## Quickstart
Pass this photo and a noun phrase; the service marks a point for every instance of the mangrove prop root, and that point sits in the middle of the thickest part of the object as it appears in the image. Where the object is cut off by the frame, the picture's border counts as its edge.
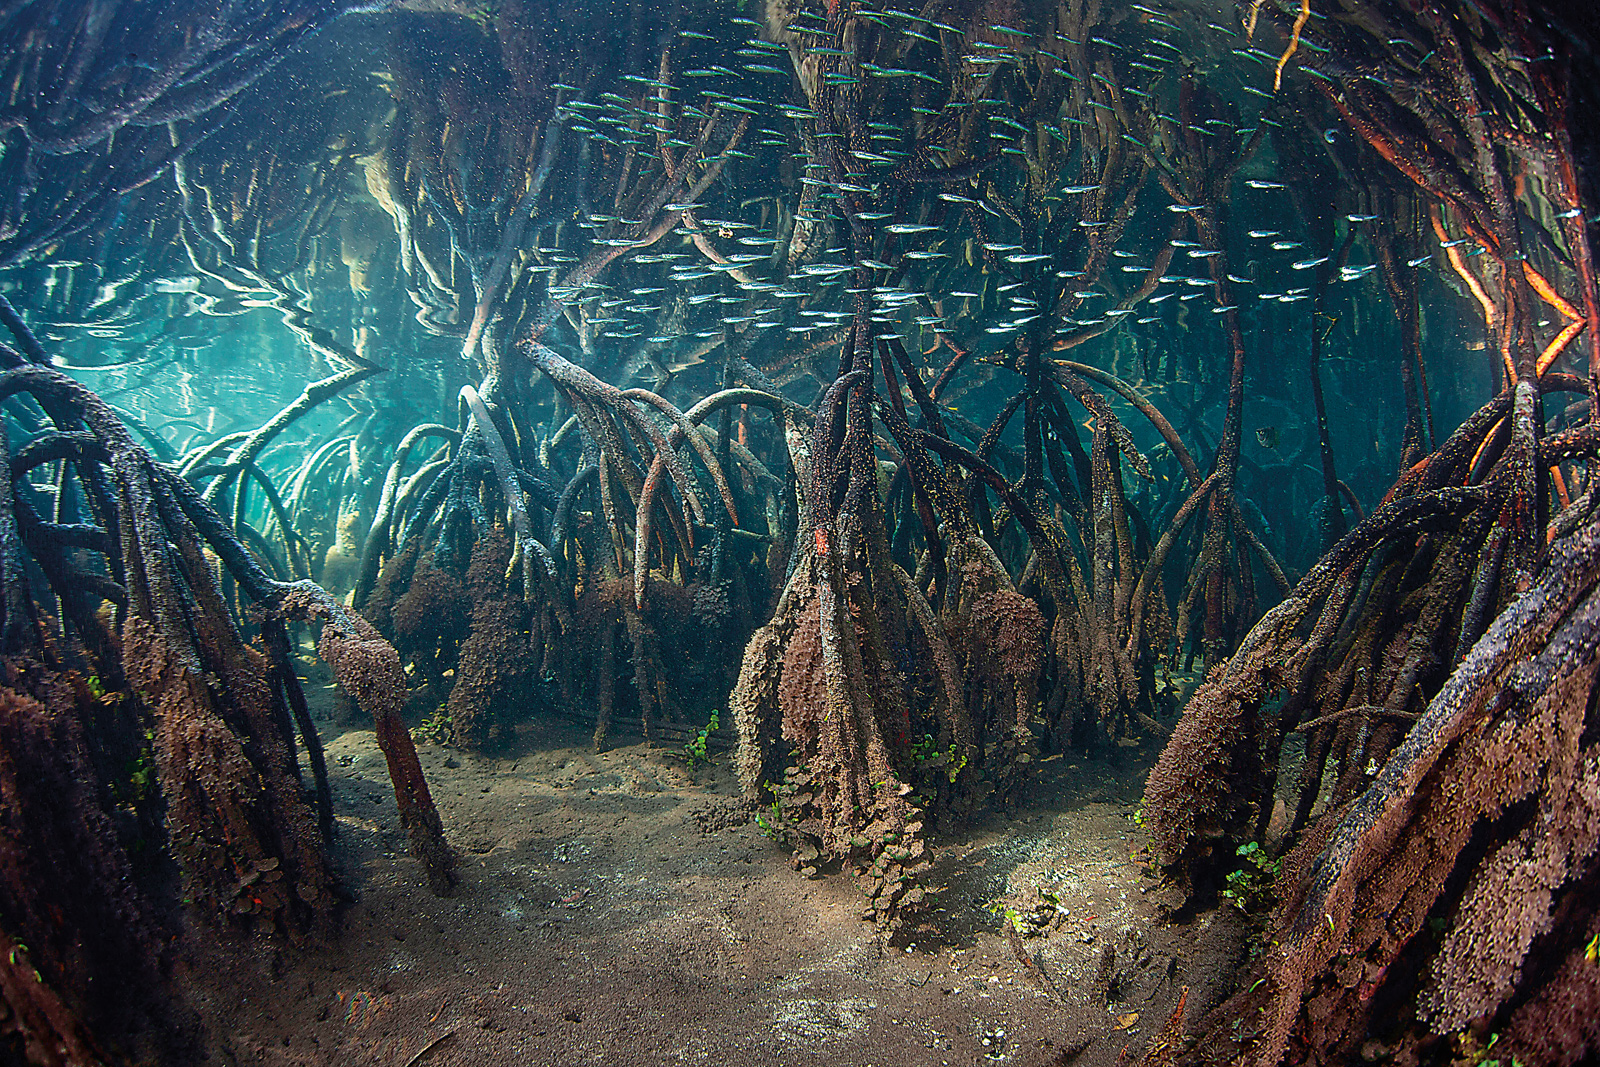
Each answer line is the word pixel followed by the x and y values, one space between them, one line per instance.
pixel 249 848
pixel 81 946
pixel 1206 787
pixel 495 663
pixel 207 689
pixel 1379 621
pixel 1509 865
pixel 369 669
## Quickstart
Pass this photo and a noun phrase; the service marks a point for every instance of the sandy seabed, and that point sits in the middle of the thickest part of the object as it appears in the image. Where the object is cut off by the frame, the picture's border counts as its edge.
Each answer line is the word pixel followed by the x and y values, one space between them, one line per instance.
pixel 616 909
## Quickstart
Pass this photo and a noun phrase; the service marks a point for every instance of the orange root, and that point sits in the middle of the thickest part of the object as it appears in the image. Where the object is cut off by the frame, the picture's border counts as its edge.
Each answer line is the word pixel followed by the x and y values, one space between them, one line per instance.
pixel 1250 23
pixel 1546 290
pixel 1555 347
pixel 1294 41
pixel 1491 314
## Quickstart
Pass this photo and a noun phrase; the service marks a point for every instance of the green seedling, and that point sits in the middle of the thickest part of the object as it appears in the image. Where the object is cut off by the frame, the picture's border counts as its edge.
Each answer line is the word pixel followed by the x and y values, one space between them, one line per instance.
pixel 436 729
pixel 696 749
pixel 1250 887
pixel 928 754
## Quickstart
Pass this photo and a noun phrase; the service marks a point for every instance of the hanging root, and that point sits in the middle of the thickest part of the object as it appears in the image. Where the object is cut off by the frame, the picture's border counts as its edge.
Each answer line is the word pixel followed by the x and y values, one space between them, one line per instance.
pixel 494 672
pixel 1294 42
pixel 369 669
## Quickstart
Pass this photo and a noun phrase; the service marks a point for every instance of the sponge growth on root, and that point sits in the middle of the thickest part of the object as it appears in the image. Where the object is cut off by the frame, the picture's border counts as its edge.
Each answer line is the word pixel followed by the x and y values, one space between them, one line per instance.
pixel 1455 897
pixel 369 669
pixel 893 716
pixel 80 970
pixel 221 798
pixel 496 661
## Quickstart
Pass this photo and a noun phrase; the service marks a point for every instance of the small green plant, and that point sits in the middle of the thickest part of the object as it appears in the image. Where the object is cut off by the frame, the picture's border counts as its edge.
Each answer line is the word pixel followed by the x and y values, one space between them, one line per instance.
pixel 928 754
pixel 1010 915
pixel 1031 912
pixel 436 729
pixel 955 762
pixel 141 774
pixel 696 749
pixel 1479 1055
pixel 1250 887
pixel 779 820
pixel 770 821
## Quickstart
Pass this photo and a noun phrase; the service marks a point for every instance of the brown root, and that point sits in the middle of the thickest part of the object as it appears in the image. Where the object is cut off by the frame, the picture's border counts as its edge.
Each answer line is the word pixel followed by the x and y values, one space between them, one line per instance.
pixel 429 619
pixel 368 668
pixel 39 1028
pixel 1372 624
pixel 1003 640
pixel 245 839
pixel 87 956
pixel 391 585
pixel 1423 909
pixel 495 664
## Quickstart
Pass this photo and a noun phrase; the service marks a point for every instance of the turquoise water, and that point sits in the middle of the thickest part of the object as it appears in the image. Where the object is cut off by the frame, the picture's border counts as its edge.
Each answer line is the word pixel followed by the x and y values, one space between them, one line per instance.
pixel 987 210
